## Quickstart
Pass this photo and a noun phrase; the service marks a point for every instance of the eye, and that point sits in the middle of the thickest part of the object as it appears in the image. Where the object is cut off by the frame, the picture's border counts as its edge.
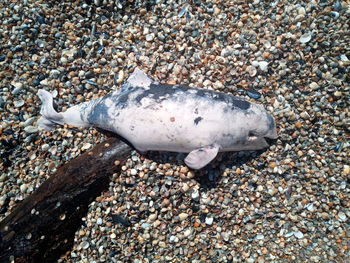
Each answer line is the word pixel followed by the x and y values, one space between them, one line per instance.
pixel 251 136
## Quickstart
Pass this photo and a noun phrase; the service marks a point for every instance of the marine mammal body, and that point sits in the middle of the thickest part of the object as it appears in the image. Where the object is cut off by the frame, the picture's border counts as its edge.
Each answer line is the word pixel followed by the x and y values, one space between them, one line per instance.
pixel 161 117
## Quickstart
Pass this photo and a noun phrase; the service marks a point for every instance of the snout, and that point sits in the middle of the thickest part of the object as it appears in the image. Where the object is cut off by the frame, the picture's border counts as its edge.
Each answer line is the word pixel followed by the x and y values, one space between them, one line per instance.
pixel 271 134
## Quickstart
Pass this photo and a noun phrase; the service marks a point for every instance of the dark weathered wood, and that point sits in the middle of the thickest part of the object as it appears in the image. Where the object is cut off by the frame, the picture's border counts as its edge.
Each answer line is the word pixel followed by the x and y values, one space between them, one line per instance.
pixel 42 227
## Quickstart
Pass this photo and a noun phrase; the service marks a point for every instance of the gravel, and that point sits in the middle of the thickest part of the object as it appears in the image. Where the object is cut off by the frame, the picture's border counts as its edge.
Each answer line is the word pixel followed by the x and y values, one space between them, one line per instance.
pixel 290 203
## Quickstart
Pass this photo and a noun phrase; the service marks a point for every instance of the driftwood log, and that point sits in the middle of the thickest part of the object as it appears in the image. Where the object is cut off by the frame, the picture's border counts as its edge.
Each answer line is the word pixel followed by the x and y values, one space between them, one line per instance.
pixel 41 228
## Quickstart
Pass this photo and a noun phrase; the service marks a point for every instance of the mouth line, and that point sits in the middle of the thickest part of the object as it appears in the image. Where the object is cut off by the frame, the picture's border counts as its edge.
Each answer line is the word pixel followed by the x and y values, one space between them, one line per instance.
pixel 270 141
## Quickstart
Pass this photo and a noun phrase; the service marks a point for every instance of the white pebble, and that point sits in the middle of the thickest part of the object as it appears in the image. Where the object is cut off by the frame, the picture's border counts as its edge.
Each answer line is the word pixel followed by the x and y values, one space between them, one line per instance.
pixel 263 65
pixel 344 57
pixel 183 216
pixel 321 140
pixel 85 245
pixel 101 249
pixel 305 38
pixel 174 239
pixel 209 220
pixel 45 147
pixel 150 37
pixel 195 194
pixel 188 232
pixel 86 146
pixel 225 236
pixel 342 216
pixel 259 236
pixel 314 85
pixel 23 188
pixel 251 71
pixel 298 234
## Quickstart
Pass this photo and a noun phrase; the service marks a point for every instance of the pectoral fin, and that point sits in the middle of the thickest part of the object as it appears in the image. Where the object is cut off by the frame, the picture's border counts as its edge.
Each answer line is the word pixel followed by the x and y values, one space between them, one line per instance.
pixel 139 78
pixel 199 158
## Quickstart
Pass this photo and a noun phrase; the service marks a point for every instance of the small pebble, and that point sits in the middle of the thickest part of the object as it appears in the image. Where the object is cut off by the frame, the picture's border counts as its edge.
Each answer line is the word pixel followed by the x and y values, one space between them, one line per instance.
pixel 31 129
pixel 305 38
pixel 298 234
pixel 183 216
pixel 150 37
pixel 86 146
pixel 342 216
pixel 209 220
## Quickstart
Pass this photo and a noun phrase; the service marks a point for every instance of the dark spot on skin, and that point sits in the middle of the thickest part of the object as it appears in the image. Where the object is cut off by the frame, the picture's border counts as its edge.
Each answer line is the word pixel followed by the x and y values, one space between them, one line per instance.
pixel 123 97
pixel 197 120
pixel 172 119
pixel 219 96
pixel 160 92
pixel 99 113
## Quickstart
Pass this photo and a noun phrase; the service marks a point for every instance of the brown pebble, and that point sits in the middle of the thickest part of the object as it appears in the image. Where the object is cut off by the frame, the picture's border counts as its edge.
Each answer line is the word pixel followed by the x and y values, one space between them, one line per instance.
pixel 298 125
pixel 272 165
pixel 184 170
pixel 143 11
pixel 266 54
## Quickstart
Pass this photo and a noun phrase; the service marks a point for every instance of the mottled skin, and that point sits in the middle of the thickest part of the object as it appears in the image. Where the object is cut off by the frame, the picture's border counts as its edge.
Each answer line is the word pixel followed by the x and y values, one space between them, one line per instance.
pixel 161 117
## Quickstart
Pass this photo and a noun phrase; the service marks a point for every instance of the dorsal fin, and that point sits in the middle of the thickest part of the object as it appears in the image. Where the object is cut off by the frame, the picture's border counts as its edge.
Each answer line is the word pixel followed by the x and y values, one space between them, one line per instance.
pixel 139 79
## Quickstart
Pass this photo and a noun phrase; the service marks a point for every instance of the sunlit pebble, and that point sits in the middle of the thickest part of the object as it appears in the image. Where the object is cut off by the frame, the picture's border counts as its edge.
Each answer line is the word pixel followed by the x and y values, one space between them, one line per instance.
pixel 209 220
pixel 86 146
pixel 305 37
pixel 183 216
pixel 99 221
pixel 133 171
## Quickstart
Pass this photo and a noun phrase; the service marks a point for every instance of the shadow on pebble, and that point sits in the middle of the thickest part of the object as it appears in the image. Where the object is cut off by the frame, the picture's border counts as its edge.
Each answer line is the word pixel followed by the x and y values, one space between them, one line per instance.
pixel 209 176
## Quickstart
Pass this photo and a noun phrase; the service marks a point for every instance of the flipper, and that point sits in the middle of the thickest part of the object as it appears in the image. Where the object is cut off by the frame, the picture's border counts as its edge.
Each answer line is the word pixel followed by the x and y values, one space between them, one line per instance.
pixel 50 117
pixel 199 158
pixel 139 79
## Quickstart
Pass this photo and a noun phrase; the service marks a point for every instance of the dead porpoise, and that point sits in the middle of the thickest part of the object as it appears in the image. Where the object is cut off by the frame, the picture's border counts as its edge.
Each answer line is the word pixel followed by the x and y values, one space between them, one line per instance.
pixel 162 117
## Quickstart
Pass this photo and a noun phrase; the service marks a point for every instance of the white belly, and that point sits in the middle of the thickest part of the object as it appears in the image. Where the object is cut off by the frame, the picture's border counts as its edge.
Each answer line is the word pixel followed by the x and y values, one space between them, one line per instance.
pixel 171 126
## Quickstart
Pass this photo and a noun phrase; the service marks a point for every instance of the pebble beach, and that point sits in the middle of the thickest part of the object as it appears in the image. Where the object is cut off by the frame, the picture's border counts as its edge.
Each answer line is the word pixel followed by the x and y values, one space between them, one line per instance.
pixel 290 203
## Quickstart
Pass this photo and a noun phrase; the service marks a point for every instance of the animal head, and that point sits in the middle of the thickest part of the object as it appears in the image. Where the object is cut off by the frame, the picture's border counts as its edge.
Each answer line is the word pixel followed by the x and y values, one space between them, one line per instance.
pixel 260 129
pixel 252 129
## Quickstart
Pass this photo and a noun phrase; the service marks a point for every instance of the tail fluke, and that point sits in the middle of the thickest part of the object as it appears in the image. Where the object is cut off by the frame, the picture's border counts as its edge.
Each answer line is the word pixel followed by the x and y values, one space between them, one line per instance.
pixel 50 117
